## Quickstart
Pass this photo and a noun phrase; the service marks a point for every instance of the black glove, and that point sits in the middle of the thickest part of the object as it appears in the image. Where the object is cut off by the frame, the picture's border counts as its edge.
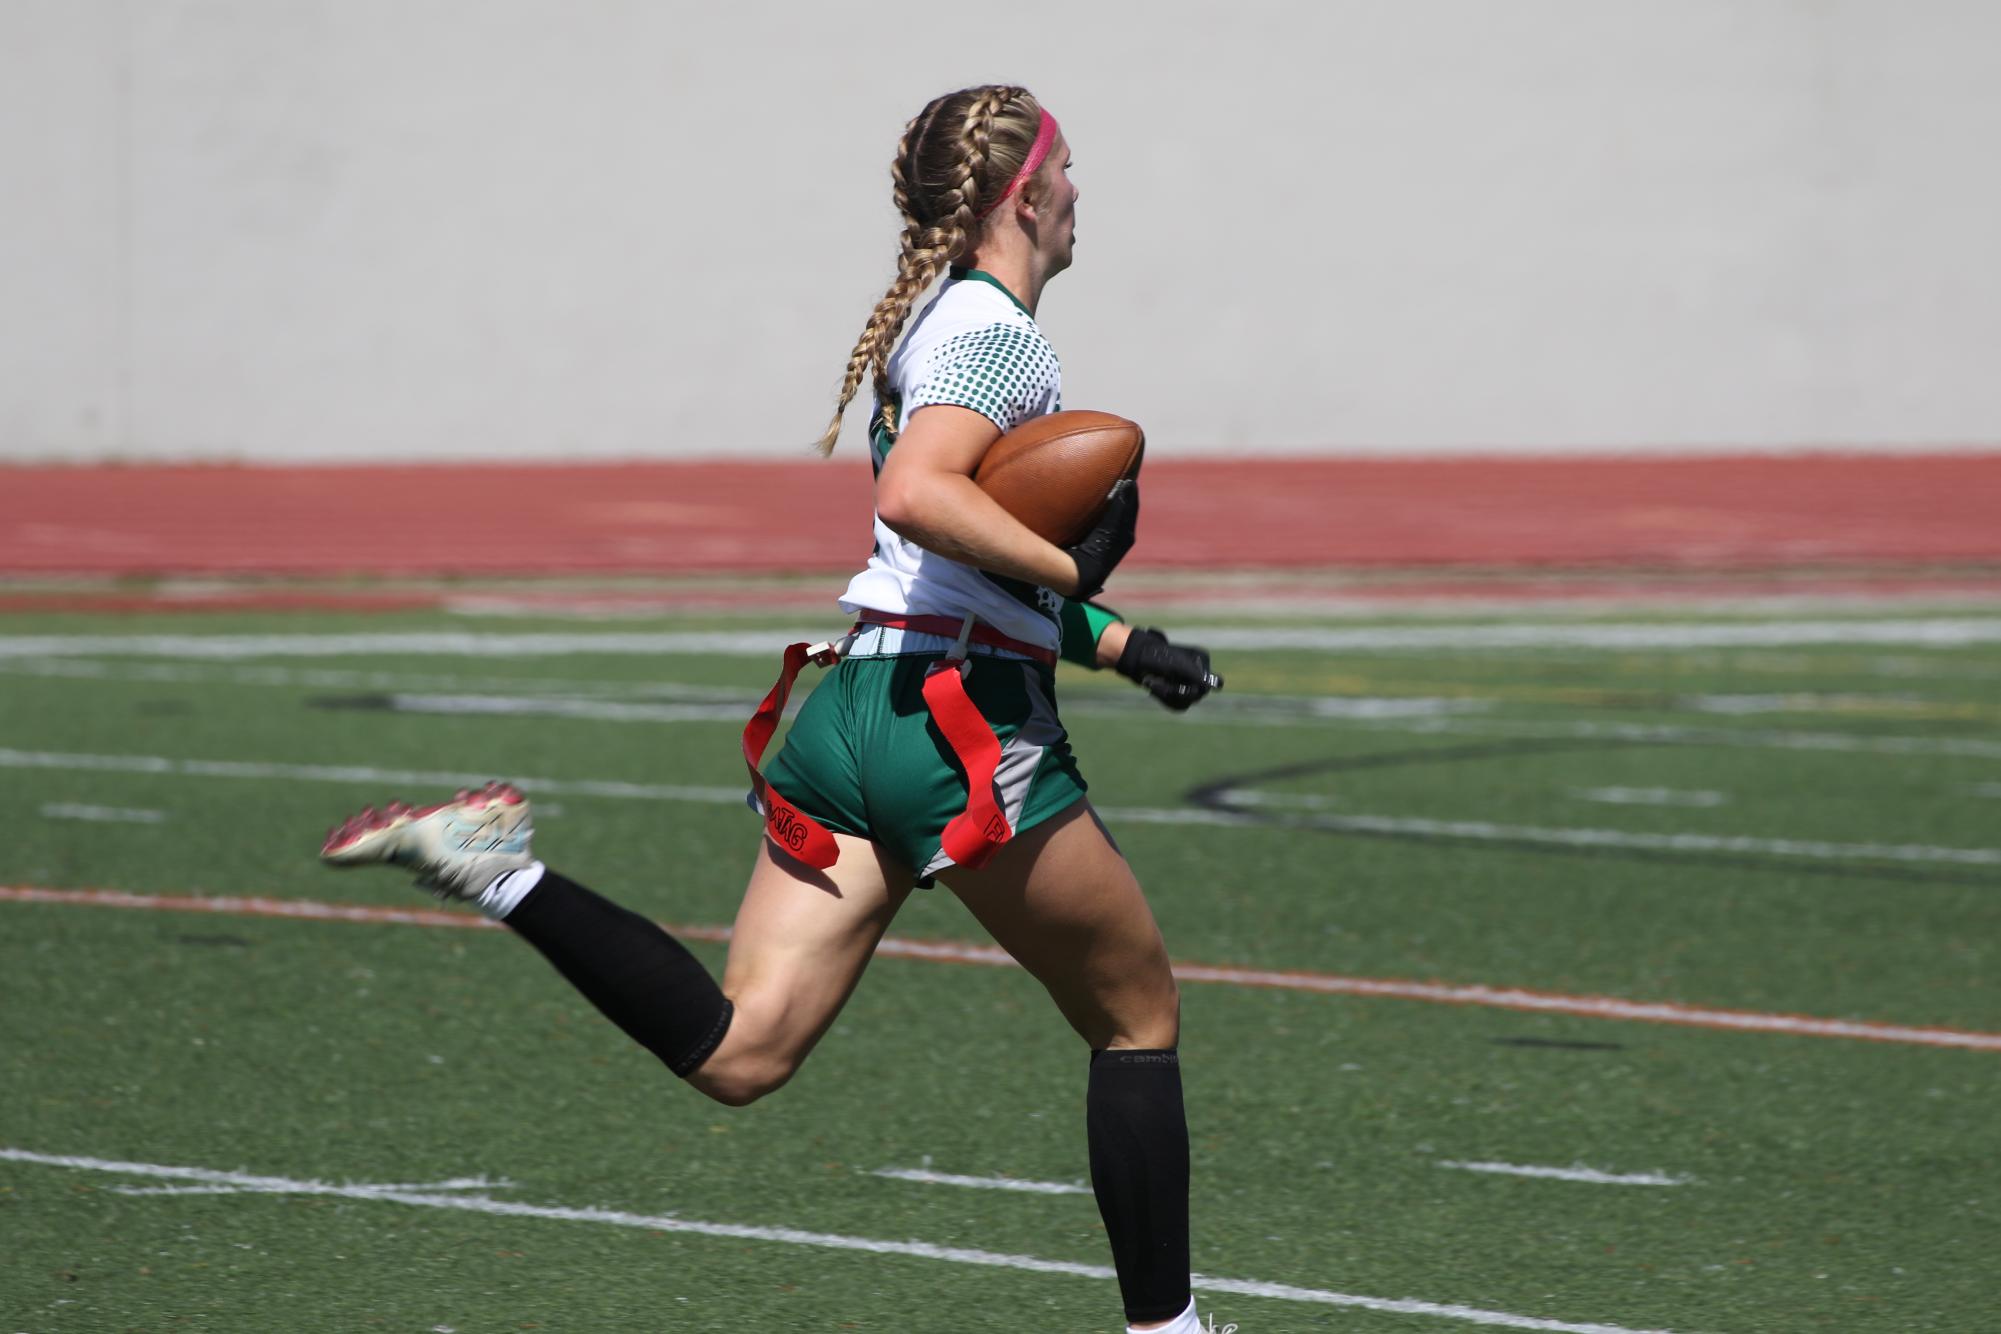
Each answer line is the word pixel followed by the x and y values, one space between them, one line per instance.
pixel 1108 541
pixel 1176 674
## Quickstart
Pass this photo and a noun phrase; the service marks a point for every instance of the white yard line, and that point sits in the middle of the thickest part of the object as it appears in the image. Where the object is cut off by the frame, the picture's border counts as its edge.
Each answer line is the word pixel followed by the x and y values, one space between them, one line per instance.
pixel 1262 710
pixel 1485 831
pixel 343 773
pixel 552 706
pixel 1798 702
pixel 1585 1174
pixel 796 1237
pixel 64 810
pixel 1924 632
pixel 1470 830
pixel 265 1188
pixel 568 697
pixel 336 678
pixel 1649 796
pixel 458 644
pixel 929 1178
pixel 1747 738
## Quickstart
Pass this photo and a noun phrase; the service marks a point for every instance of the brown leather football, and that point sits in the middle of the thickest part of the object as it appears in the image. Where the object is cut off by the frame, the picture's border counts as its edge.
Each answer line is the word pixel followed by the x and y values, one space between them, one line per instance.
pixel 1056 473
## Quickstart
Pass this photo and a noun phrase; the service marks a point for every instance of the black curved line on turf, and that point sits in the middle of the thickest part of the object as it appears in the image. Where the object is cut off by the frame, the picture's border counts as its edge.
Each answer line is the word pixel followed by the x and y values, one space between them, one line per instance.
pixel 1214 796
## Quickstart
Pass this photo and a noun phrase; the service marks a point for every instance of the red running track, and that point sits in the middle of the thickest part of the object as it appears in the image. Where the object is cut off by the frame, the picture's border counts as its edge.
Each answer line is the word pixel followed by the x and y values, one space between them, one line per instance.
pixel 1737 513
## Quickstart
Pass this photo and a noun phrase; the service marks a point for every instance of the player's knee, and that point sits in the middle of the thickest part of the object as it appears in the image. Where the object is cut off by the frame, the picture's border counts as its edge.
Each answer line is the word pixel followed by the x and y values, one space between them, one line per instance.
pixel 738 1092
pixel 740 1079
pixel 755 1059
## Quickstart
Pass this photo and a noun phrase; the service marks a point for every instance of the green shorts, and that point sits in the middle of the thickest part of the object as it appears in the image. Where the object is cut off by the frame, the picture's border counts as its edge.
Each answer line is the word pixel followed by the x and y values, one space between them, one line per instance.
pixel 863 756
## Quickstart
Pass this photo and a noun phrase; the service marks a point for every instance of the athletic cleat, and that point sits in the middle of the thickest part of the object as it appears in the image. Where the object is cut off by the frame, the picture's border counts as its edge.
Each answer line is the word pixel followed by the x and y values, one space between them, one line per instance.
pixel 457 847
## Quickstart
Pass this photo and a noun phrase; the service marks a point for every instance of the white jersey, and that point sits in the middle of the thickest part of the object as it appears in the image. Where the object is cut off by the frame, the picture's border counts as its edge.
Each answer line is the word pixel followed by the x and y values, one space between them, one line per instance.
pixel 974 347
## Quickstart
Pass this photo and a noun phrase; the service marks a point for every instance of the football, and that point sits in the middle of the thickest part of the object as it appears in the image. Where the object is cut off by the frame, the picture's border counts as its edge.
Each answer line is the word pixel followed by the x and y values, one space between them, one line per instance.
pixel 1056 473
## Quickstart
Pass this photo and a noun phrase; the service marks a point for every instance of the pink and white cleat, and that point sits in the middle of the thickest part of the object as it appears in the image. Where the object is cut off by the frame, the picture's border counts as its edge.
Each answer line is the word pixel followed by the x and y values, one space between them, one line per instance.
pixel 457 847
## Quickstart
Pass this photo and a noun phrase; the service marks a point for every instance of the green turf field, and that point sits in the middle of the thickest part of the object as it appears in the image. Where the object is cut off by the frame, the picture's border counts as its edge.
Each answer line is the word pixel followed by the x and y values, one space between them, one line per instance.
pixel 229 1121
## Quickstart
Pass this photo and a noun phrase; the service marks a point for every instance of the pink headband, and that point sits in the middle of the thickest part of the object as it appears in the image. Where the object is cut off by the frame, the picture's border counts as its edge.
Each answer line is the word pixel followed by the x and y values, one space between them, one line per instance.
pixel 1045 135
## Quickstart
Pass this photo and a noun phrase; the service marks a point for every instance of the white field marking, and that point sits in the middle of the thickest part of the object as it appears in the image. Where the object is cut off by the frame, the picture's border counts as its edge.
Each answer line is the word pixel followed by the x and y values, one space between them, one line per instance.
pixel 1477 831
pixel 803 602
pixel 930 1178
pixel 730 796
pixel 1798 702
pixel 1361 706
pixel 989 956
pixel 1649 796
pixel 1484 831
pixel 453 1183
pixel 1231 710
pixel 1279 710
pixel 250 905
pixel 1243 601
pixel 550 697
pixel 1928 668
pixel 536 694
pixel 601 710
pixel 1586 1174
pixel 63 810
pixel 1743 738
pixel 336 773
pixel 1987 789
pixel 921 1250
pixel 458 644
pixel 1925 632
pixel 333 678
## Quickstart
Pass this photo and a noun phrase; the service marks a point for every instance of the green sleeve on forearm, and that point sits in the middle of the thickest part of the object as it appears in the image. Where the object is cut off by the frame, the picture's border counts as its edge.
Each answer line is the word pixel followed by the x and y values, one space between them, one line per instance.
pixel 1083 623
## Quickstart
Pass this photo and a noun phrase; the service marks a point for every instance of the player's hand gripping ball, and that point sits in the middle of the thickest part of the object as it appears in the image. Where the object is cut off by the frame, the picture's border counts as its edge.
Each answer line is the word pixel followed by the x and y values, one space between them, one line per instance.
pixel 1070 477
pixel 1056 473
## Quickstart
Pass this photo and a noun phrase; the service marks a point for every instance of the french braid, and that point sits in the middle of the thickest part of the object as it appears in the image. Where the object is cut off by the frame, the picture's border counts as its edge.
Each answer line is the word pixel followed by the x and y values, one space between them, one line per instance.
pixel 958 149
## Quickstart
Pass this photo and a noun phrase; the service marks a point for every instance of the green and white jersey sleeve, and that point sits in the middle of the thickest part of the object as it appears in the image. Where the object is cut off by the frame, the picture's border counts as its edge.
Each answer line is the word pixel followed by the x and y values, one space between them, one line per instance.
pixel 973 347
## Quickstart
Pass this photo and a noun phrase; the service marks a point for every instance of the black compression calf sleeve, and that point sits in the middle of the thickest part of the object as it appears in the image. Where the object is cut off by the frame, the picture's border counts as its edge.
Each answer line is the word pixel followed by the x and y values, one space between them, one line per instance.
pixel 1139 1171
pixel 643 979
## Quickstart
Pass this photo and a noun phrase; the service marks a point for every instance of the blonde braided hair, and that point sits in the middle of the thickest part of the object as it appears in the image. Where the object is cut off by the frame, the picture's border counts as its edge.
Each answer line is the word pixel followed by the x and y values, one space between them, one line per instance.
pixel 953 154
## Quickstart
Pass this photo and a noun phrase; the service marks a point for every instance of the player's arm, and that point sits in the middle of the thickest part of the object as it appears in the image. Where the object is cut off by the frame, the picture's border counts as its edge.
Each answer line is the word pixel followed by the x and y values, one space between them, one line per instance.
pixel 1112 643
pixel 926 493
pixel 1178 675
pixel 1093 635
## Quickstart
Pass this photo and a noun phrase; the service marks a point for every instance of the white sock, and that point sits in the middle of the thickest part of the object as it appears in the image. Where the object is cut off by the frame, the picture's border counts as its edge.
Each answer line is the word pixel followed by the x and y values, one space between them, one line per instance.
pixel 1185 1323
pixel 505 893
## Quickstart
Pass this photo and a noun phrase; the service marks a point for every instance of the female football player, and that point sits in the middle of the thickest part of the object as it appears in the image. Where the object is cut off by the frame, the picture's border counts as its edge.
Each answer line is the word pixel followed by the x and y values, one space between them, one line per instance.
pixel 932 751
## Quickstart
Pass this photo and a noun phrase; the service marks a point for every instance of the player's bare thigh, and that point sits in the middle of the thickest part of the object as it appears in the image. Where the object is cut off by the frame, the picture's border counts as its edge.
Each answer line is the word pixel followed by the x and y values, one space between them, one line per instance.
pixel 1062 900
pixel 801 940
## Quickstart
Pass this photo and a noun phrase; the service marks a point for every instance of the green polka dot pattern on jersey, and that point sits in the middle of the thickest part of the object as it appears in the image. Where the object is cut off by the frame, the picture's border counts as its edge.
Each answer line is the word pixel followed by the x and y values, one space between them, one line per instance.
pixel 1003 371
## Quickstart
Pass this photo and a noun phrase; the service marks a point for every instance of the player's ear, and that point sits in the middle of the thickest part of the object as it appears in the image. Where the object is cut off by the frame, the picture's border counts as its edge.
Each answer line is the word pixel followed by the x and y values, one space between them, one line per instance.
pixel 1028 199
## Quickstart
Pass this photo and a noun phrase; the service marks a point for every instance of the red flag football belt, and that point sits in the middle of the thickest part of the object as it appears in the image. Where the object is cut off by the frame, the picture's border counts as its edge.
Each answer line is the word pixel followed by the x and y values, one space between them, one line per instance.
pixel 974 835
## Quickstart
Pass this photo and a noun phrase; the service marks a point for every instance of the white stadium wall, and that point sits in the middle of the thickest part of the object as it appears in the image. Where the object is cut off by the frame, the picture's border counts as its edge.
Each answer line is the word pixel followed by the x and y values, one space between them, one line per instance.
pixel 297 230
